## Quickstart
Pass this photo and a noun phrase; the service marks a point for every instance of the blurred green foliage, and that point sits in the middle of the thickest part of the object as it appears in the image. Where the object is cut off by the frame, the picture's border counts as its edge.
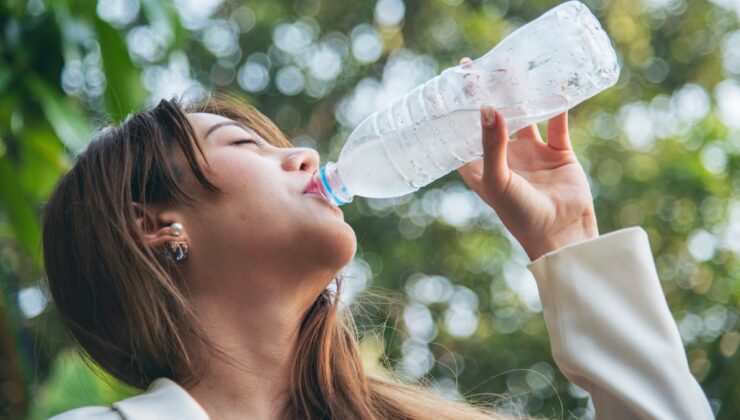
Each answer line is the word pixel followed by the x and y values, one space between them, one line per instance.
pixel 661 149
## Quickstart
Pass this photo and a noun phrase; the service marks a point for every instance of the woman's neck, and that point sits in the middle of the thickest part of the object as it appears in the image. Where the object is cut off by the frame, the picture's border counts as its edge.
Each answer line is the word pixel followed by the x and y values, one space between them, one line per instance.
pixel 258 340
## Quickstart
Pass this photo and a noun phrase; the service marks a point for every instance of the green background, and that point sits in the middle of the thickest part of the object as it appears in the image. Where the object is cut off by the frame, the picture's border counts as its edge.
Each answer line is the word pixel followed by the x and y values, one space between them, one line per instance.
pixel 446 292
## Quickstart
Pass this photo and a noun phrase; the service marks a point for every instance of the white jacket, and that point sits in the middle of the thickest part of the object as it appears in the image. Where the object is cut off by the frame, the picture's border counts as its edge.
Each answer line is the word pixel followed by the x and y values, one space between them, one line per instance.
pixel 610 330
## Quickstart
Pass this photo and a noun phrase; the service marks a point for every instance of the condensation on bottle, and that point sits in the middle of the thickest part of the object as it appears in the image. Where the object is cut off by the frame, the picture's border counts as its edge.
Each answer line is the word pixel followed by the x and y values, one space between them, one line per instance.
pixel 540 70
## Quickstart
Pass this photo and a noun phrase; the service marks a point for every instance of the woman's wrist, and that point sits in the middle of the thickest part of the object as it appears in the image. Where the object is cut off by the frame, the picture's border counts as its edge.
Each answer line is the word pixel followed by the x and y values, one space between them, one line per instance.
pixel 562 239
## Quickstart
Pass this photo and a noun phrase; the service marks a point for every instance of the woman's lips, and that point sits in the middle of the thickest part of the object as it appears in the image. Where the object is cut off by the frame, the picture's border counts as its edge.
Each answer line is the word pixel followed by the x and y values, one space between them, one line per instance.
pixel 313 186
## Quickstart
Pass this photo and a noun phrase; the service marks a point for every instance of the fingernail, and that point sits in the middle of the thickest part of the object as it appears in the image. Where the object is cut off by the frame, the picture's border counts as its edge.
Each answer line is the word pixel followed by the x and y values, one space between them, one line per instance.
pixel 489 116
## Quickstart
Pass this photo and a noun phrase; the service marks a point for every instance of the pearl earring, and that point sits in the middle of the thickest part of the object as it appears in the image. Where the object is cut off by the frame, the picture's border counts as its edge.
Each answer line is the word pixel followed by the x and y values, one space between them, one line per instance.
pixel 176 229
pixel 178 250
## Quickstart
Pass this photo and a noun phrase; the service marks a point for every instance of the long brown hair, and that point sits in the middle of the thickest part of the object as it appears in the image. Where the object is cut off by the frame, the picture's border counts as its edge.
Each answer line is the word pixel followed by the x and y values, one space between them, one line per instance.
pixel 126 305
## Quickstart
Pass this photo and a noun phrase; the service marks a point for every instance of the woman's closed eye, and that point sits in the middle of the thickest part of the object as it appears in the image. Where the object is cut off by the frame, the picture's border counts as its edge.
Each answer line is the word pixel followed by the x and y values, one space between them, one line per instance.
pixel 259 143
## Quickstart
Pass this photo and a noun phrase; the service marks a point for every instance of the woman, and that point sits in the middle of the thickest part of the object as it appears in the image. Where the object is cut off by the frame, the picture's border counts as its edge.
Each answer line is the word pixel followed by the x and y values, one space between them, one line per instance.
pixel 184 258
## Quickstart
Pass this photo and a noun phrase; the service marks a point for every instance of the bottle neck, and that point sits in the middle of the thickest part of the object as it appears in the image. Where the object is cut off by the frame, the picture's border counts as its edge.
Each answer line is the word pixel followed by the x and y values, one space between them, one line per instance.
pixel 327 183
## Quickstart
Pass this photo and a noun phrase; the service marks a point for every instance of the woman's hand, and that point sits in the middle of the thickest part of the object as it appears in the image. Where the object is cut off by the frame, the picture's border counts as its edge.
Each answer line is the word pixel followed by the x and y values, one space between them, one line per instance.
pixel 539 190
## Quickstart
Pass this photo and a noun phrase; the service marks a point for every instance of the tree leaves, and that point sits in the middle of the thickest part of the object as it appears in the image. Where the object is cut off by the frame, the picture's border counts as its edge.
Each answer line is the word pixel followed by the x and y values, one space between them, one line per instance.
pixel 124 92
pixel 70 126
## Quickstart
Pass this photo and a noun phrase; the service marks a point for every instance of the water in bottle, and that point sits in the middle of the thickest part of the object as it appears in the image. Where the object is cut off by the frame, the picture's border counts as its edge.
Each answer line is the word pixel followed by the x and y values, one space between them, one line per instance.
pixel 540 70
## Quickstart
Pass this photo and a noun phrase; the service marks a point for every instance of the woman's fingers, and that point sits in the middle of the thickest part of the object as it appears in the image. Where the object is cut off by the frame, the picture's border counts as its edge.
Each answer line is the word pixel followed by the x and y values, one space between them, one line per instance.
pixel 465 60
pixel 529 133
pixel 557 132
pixel 472 174
pixel 495 142
pixel 489 176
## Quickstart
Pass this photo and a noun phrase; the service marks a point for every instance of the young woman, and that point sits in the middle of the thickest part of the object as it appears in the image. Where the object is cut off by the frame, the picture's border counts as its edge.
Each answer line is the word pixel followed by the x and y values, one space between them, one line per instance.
pixel 185 259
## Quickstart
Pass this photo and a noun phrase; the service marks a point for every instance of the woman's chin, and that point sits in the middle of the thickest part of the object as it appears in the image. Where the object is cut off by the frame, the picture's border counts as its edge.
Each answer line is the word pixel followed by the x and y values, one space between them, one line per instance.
pixel 347 247
pixel 339 247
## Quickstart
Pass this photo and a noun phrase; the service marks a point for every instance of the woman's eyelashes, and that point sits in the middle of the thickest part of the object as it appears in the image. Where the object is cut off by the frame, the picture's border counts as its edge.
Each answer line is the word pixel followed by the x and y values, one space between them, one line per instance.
pixel 259 143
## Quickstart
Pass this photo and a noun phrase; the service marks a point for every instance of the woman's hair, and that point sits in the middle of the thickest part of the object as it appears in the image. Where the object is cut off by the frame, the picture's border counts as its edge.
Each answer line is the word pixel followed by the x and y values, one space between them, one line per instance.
pixel 126 305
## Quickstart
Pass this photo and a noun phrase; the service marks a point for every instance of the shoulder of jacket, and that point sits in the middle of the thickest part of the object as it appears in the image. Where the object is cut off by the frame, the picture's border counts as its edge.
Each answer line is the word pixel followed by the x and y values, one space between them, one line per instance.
pixel 163 400
pixel 89 413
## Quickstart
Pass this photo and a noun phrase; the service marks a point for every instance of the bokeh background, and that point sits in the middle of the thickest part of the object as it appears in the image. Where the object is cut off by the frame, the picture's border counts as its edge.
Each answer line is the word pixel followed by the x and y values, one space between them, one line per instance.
pixel 461 312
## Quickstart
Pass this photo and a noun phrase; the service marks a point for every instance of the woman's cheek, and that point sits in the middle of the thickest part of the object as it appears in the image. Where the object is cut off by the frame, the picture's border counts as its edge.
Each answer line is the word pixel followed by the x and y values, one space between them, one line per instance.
pixel 238 173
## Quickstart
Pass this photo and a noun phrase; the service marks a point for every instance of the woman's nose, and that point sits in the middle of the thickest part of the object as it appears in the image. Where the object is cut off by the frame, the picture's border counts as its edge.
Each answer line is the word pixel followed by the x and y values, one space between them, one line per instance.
pixel 301 159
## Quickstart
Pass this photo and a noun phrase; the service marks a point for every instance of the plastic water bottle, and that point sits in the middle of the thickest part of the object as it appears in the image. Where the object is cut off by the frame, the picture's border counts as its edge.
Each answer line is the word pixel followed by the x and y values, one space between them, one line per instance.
pixel 540 70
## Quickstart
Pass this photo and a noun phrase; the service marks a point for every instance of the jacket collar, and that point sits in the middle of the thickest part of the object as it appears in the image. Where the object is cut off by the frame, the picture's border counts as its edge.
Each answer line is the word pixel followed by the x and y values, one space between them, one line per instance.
pixel 163 400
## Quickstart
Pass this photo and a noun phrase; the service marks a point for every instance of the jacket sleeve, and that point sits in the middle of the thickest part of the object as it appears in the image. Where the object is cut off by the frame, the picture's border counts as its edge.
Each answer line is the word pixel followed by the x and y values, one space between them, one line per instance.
pixel 611 331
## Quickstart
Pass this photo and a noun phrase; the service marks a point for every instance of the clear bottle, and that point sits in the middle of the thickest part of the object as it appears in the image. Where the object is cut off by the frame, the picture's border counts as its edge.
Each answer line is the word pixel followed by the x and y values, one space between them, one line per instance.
pixel 540 70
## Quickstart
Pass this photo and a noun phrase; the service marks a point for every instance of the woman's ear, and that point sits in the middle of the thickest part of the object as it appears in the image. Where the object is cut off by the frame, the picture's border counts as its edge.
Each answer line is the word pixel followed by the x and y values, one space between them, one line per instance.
pixel 158 226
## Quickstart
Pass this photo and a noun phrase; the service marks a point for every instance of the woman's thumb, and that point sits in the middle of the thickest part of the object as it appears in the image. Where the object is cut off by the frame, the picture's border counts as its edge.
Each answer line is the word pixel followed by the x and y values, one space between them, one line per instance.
pixel 495 142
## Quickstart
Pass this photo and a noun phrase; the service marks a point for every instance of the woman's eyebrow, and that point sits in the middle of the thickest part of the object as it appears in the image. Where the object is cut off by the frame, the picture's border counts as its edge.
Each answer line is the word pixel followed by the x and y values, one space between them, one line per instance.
pixel 216 126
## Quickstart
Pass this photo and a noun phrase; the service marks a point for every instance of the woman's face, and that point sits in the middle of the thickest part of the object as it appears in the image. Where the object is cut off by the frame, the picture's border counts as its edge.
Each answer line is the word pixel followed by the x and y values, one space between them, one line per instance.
pixel 261 226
